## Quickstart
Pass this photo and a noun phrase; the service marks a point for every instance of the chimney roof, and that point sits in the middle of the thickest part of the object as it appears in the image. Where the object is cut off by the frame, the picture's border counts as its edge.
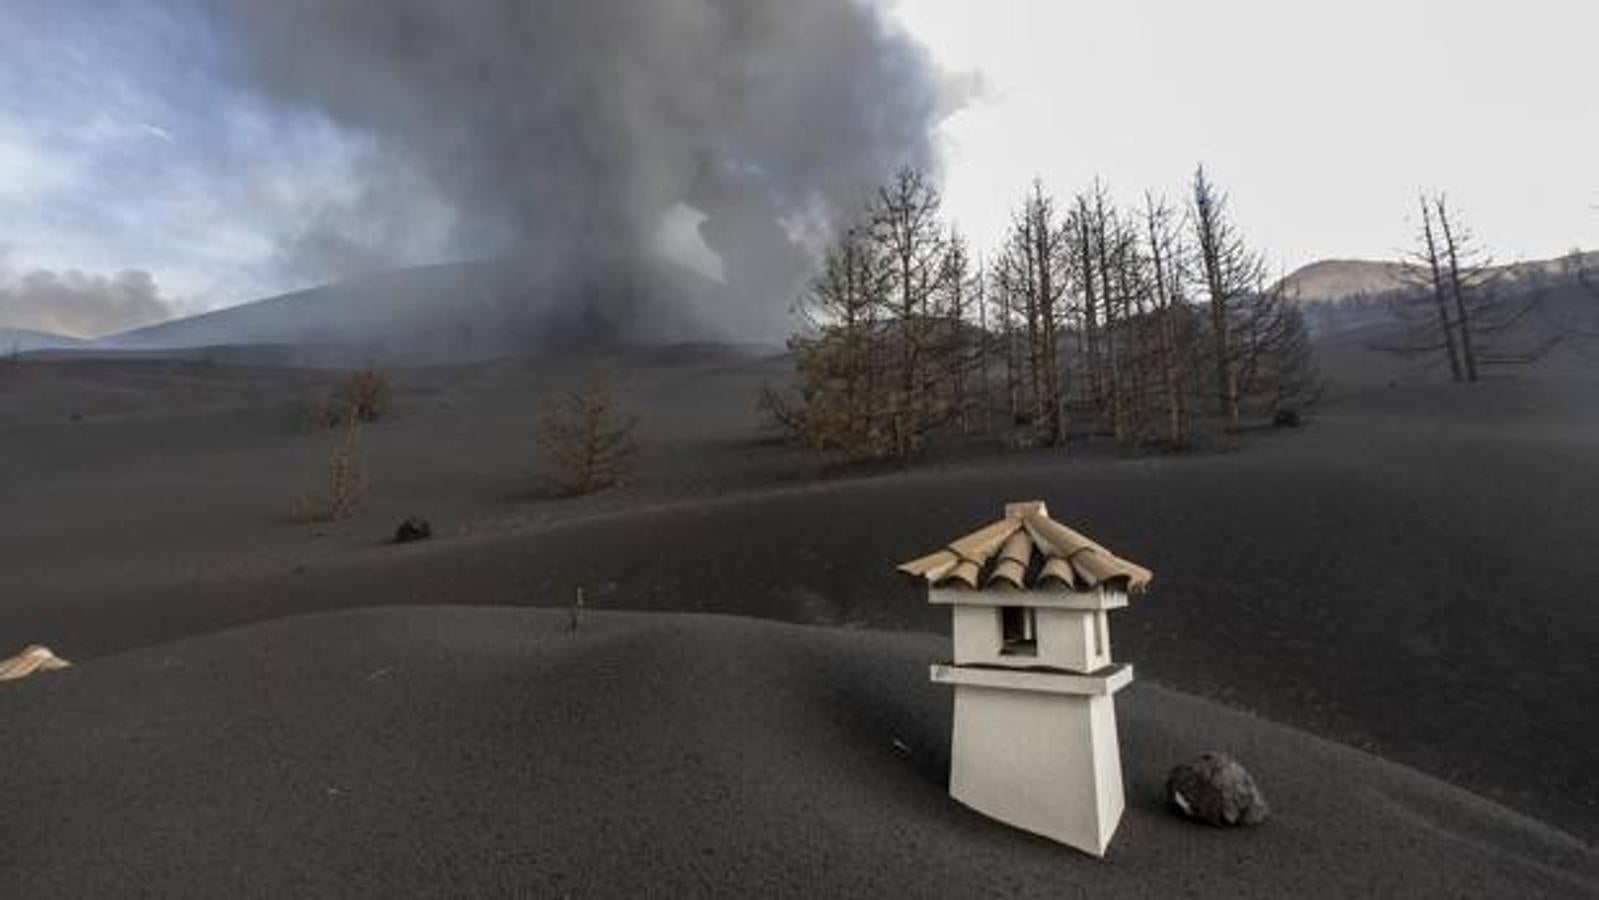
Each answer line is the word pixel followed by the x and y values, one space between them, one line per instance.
pixel 1027 550
pixel 33 658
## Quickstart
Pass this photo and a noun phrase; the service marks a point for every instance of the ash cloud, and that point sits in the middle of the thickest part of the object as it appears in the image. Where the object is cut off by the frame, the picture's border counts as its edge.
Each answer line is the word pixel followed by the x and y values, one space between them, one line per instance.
pixel 82 304
pixel 559 134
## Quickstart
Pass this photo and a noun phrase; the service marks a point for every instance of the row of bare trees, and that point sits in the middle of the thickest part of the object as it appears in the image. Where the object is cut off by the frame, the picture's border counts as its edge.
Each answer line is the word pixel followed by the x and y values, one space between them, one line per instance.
pixel 1140 324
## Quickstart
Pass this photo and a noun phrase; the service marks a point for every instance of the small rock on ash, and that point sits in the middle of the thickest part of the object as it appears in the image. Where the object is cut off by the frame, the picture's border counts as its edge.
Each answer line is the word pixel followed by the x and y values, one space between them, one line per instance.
pixel 413 528
pixel 1217 790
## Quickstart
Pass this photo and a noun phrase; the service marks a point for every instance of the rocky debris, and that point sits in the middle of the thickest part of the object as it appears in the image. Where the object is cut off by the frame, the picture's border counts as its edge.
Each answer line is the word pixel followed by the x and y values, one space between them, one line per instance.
pixel 34 658
pixel 414 528
pixel 1216 790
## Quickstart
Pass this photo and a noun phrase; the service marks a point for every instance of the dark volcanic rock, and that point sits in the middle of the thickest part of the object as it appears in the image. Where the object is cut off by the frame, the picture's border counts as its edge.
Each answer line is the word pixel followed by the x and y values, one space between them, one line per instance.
pixel 413 528
pixel 1217 790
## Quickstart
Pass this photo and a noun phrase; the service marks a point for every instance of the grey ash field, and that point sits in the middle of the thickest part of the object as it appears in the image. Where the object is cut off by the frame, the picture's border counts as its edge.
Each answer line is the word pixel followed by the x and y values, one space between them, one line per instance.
pixel 1388 615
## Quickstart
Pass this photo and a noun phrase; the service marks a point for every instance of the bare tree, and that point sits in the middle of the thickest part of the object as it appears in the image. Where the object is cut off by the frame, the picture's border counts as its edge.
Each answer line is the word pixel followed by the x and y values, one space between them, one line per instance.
pixel 886 354
pixel 1005 313
pixel 985 340
pixel 1117 285
pixel 959 350
pixel 1231 273
pixel 1437 287
pixel 346 485
pixel 1017 291
pixel 1467 271
pixel 839 355
pixel 1465 306
pixel 908 232
pixel 587 441
pixel 1090 270
pixel 1166 257
pixel 1032 272
pixel 1275 361
pixel 366 391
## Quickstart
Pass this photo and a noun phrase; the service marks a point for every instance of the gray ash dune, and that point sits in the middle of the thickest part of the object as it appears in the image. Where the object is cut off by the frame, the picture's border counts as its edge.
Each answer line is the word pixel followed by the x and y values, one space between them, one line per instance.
pixel 1402 575
pixel 474 751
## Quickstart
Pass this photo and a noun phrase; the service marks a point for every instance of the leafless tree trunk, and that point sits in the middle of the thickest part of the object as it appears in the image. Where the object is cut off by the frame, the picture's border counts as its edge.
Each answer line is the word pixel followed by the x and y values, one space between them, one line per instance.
pixel 1165 256
pixel 906 227
pixel 984 339
pixel 1475 306
pixel 1436 284
pixel 1457 286
pixel 1086 267
pixel 1007 325
pixel 1231 271
pixel 1113 314
pixel 1033 267
pixel 960 354
pixel 1048 243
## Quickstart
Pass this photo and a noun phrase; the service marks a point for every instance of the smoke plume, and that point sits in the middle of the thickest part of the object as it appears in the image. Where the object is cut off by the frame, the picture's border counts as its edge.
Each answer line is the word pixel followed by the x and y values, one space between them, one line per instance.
pixel 561 133
pixel 81 304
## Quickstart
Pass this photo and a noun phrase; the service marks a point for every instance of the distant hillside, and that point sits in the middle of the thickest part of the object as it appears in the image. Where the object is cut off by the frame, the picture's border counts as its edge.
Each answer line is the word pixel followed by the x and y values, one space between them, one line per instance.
pixel 22 340
pixel 1334 279
pixel 454 312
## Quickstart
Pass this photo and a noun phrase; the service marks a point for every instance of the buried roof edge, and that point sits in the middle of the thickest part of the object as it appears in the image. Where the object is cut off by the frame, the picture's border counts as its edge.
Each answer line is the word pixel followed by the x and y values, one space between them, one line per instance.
pixel 995 555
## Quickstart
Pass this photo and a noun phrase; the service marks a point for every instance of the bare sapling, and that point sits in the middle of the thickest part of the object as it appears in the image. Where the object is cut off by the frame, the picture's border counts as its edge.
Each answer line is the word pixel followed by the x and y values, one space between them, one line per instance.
pixel 587 441
pixel 366 391
pixel 575 613
pixel 346 477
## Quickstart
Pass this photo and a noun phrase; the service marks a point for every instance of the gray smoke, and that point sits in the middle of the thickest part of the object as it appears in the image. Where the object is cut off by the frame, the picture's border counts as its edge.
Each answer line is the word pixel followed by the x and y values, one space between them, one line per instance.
pixel 559 132
pixel 81 304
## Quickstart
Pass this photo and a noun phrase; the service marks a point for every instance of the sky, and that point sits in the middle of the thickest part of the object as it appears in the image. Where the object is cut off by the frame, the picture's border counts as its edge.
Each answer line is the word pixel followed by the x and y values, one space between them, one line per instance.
pixel 1321 120
pixel 141 174
pixel 124 147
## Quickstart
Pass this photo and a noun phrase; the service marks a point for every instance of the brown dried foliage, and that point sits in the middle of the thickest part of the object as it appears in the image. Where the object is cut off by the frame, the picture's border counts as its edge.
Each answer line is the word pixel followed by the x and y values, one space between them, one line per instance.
pixel 587 441
pixel 366 391
pixel 346 484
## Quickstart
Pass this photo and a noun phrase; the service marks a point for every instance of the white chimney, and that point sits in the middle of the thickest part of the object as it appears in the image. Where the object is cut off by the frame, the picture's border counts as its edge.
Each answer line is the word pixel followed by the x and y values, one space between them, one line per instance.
pixel 1034 741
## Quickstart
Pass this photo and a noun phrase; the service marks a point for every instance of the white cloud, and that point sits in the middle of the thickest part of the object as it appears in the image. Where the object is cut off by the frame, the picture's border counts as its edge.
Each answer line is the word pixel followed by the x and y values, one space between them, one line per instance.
pixel 156 131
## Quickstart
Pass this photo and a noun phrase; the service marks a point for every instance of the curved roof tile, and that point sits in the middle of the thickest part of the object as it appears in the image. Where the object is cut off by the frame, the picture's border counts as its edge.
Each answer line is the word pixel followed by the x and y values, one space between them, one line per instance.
pixel 1002 555
pixel 33 658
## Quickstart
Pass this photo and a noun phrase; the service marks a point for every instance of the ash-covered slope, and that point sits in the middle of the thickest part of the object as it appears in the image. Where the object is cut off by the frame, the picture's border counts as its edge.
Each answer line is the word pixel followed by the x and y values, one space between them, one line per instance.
pixel 23 340
pixel 456 312
pixel 474 751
